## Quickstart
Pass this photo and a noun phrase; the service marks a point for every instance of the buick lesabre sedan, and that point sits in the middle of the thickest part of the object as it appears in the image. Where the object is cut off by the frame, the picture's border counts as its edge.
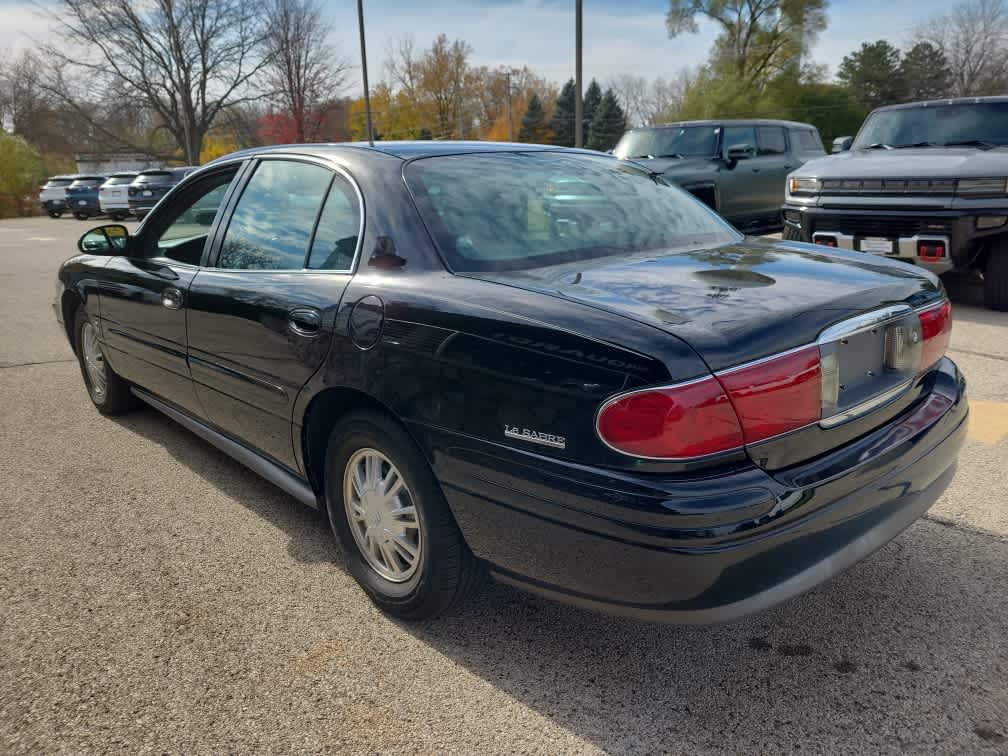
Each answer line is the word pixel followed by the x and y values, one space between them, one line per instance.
pixel 543 363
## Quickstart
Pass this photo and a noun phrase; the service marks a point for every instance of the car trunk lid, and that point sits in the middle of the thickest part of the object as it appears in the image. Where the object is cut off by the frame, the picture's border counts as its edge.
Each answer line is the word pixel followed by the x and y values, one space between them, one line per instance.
pixel 744 302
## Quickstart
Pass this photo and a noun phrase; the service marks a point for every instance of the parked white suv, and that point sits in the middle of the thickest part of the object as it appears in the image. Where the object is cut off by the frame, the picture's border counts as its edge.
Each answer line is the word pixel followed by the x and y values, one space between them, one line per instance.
pixel 52 196
pixel 113 195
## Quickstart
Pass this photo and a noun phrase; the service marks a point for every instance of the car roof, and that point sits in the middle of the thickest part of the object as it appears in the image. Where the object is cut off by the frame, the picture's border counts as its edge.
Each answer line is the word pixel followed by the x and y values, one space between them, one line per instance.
pixel 405 150
pixel 124 174
pixel 85 177
pixel 947 101
pixel 728 122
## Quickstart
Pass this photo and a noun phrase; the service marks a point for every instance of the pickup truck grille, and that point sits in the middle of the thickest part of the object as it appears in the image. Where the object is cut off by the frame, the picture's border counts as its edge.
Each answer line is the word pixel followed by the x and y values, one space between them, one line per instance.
pixel 875 225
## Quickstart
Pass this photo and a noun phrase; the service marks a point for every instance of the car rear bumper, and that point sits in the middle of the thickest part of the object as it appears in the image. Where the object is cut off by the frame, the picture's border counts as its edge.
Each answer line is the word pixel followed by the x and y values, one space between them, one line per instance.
pixel 700 550
pixel 959 228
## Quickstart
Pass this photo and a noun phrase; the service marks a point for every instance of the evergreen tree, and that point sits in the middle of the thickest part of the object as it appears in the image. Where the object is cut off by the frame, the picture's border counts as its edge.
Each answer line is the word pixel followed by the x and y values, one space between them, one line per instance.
pixel 533 123
pixel 873 74
pixel 607 125
pixel 562 122
pixel 925 72
pixel 592 98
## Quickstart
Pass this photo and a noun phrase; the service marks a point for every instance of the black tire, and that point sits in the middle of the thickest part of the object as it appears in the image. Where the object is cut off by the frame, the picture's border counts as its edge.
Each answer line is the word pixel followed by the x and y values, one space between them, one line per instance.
pixel 447 572
pixel 790 233
pixel 119 216
pixel 81 216
pixel 996 277
pixel 117 397
pixel 55 213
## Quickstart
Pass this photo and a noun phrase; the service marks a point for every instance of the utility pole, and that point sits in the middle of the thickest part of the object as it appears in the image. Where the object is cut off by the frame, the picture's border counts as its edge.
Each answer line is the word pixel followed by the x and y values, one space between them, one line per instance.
pixel 363 58
pixel 507 84
pixel 578 105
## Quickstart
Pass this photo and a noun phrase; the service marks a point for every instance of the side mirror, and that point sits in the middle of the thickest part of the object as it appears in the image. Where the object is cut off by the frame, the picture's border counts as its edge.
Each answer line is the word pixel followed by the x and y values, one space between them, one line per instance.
pixel 104 240
pixel 842 144
pixel 739 152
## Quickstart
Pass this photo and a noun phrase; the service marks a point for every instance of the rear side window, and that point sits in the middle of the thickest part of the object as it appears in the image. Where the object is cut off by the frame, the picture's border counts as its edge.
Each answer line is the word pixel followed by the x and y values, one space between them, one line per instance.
pixel 807 140
pixel 771 140
pixel 335 241
pixel 274 217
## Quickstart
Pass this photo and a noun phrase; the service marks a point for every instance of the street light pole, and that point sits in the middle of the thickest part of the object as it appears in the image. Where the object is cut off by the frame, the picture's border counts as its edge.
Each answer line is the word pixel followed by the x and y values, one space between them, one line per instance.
pixel 363 57
pixel 578 105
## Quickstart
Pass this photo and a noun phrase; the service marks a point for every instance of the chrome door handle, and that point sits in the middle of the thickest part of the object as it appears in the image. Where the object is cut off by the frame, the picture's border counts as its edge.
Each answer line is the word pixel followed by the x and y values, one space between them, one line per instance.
pixel 171 298
pixel 304 321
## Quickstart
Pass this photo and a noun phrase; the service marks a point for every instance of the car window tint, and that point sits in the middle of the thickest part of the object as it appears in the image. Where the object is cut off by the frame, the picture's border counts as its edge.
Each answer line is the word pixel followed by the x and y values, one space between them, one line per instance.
pixel 737 135
pixel 552 208
pixel 336 236
pixel 181 228
pixel 807 141
pixel 771 140
pixel 274 217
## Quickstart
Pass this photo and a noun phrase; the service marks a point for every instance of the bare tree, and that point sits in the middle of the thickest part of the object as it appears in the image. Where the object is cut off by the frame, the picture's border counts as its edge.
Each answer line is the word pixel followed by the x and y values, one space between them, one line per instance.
pixel 437 82
pixel 304 70
pixel 186 60
pixel 646 103
pixel 974 38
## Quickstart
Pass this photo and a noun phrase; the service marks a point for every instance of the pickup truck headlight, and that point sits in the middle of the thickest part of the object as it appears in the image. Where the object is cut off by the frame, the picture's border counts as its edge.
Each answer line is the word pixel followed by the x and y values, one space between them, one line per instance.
pixel 799 185
pixel 982 187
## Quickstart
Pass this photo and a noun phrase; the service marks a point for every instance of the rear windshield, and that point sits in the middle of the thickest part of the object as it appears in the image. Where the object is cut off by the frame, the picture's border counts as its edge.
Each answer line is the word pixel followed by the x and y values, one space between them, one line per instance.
pixel 87 181
pixel 53 183
pixel 126 178
pixel 152 177
pixel 968 124
pixel 669 141
pixel 516 211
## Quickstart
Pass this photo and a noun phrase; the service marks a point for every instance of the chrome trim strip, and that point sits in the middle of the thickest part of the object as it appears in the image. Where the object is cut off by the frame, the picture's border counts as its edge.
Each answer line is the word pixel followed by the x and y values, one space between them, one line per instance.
pixel 761 360
pixel 876 402
pixel 862 323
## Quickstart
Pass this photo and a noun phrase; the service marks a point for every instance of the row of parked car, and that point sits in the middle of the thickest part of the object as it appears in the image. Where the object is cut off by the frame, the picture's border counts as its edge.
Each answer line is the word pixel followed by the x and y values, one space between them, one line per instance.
pixel 925 183
pixel 118 195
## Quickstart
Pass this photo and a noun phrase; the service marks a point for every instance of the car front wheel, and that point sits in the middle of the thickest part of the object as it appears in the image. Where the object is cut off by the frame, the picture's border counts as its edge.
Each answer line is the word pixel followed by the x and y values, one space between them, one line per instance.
pixel 401 542
pixel 54 213
pixel 110 393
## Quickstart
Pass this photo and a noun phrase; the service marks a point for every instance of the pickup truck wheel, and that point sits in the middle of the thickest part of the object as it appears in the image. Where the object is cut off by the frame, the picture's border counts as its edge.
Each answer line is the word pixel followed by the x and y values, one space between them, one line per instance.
pixel 110 393
pixel 54 213
pixel 996 277
pixel 790 233
pixel 401 542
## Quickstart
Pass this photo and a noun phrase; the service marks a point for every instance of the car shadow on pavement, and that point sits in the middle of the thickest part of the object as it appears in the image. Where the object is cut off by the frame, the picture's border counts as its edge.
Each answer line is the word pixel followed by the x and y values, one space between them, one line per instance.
pixel 310 538
pixel 904 651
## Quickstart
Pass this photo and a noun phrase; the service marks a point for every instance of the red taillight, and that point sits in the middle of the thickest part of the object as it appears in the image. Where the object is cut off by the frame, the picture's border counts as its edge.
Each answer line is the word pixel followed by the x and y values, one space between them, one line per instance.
pixel 824 240
pixel 930 250
pixel 777 395
pixel 690 420
pixel 936 330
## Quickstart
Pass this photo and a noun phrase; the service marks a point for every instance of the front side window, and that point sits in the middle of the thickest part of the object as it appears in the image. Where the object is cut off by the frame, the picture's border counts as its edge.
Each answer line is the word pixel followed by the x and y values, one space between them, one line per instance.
pixel 736 136
pixel 180 229
pixel 274 217
pixel 771 140
pixel 517 211
pixel 335 241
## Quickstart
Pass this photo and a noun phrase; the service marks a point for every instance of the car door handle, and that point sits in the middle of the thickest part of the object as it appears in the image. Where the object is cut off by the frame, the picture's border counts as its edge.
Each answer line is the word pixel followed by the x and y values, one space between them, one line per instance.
pixel 304 321
pixel 171 298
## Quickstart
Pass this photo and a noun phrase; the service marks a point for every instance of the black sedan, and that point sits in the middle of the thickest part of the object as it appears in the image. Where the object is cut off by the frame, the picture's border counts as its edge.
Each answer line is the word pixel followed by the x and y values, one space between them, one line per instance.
pixel 616 400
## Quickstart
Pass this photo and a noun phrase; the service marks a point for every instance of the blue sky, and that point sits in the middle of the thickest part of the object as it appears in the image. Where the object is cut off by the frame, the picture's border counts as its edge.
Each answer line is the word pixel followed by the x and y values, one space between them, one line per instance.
pixel 620 36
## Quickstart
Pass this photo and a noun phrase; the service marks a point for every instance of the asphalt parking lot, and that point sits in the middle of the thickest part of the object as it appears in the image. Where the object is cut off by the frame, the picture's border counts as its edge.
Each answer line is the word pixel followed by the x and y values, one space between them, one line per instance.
pixel 157 597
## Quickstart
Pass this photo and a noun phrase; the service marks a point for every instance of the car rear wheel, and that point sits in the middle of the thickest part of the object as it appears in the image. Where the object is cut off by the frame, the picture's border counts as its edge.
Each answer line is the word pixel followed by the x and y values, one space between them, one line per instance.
pixel 110 393
pixel 81 216
pixel 996 277
pixel 791 233
pixel 54 213
pixel 401 542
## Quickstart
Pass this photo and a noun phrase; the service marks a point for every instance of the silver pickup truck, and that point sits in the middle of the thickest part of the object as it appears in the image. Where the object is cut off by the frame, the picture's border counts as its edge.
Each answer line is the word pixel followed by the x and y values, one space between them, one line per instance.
pixel 925 182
